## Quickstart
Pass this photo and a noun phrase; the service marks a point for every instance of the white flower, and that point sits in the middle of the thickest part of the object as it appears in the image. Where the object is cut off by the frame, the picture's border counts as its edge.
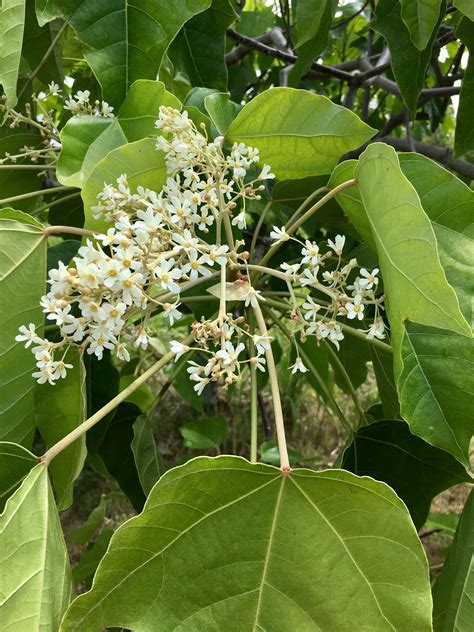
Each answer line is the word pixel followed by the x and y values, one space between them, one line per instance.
pixel 168 276
pixel 356 308
pixel 376 330
pixel 122 353
pixel 82 96
pixel 172 312
pixel 141 339
pixel 262 343
pixel 252 297
pixel 202 382
pixel 310 277
pixel 28 335
pixel 298 366
pixel 185 241
pixel 330 330
pixel 259 362
pixel 54 89
pixel 279 234
pixel 179 209
pixel 229 355
pixel 338 244
pixel 107 110
pixel 99 342
pixel 45 374
pixel 216 254
pixel 239 221
pixel 311 308
pixel 59 369
pixel 290 270
pixel 265 174
pixel 195 266
pixel 310 253
pixel 178 349
pixel 370 278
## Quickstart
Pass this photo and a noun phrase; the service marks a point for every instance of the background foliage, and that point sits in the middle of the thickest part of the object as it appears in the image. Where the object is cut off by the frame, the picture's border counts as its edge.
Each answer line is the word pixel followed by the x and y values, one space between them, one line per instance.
pixel 380 91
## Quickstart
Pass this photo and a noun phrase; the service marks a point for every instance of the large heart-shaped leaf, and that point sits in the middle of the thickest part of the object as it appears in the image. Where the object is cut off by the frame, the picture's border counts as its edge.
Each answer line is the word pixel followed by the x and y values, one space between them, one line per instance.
pixel 12 23
pixel 22 283
pixel 87 139
pixel 388 451
pixel 60 408
pixel 124 40
pixel 298 133
pixel 453 590
pixel 35 582
pixel 421 17
pixel 142 164
pixel 226 545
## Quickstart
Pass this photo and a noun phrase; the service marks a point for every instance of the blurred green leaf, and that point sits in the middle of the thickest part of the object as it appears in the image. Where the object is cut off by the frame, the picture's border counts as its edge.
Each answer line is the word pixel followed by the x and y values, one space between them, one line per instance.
pixel 60 408
pixel 205 433
pixel 145 452
pixel 12 22
pixel 453 590
pixel 15 463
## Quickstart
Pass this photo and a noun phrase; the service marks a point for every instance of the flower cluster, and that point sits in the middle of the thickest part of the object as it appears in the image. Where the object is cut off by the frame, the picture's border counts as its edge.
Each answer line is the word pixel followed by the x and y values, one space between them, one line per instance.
pixel 80 103
pixel 337 295
pixel 155 249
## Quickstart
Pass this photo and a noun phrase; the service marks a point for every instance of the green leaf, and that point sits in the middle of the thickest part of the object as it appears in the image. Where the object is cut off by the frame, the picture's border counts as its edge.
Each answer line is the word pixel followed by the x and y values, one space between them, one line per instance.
pixel 387 451
pixel 143 164
pixel 60 408
pixel 117 456
pixel 436 388
pixel 63 252
pixel 205 433
pixel 221 110
pixel 350 201
pixel 35 583
pixel 22 283
pixel 123 40
pixel 226 545
pixel 84 570
pixel 15 463
pixel 298 133
pixel 82 534
pixel 198 49
pixel 453 590
pixel 12 23
pixel 383 368
pixel 142 396
pixel 421 18
pixel 408 63
pixel 86 140
pixel 147 459
pixel 466 7
pixel 446 522
pixel 269 453
pixel 313 21
pixel 464 134
pixel 414 280
pixel 353 354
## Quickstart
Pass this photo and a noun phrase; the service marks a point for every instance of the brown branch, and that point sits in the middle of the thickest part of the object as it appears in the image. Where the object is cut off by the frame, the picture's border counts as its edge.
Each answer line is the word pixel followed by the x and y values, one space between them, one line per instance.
pixel 287 57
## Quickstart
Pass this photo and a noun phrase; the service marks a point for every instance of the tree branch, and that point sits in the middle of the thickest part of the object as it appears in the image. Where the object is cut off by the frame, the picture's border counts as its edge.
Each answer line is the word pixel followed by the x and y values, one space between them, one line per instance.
pixel 443 155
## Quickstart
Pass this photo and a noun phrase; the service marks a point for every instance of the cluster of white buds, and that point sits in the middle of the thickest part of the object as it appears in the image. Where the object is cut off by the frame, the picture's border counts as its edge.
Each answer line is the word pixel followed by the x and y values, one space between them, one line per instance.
pixel 80 103
pixel 155 250
pixel 337 296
